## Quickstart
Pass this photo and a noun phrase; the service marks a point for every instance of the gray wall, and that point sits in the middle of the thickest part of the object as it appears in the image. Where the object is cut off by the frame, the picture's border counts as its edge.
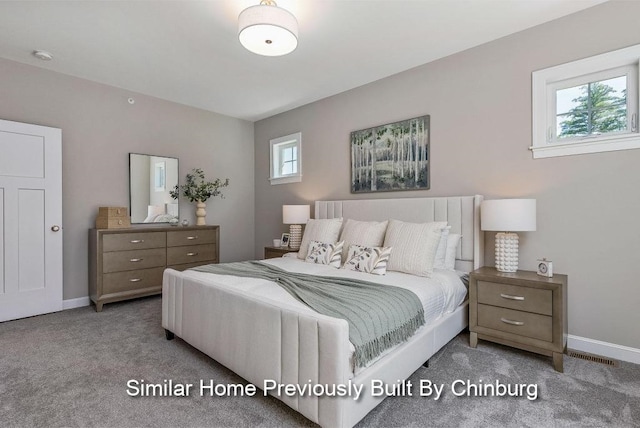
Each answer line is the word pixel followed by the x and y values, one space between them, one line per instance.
pixel 99 129
pixel 480 106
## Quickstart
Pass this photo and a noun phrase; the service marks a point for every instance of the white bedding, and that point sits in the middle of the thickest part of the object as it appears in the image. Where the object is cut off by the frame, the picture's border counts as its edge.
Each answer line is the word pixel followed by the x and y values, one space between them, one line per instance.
pixel 440 294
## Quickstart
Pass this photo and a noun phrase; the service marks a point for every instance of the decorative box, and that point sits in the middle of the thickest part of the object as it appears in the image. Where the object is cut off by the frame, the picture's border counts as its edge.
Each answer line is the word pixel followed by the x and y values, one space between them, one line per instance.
pixel 112 218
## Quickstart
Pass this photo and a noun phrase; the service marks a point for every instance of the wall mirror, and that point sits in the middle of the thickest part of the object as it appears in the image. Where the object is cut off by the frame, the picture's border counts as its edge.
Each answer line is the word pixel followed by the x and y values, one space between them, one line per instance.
pixel 150 180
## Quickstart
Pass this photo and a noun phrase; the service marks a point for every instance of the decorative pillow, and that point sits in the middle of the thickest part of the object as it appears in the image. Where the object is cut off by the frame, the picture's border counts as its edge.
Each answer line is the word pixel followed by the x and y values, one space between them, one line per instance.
pixel 325 254
pixel 438 262
pixel 414 246
pixel 325 230
pixel 363 233
pixel 453 240
pixel 368 259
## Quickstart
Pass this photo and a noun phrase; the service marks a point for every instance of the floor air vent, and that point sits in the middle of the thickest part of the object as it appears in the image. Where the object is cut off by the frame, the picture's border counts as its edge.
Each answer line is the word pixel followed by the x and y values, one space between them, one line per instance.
pixel 594 358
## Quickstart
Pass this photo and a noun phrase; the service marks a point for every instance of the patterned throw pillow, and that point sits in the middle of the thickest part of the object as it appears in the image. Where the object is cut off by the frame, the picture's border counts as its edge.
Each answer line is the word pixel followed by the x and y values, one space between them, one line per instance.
pixel 368 259
pixel 325 254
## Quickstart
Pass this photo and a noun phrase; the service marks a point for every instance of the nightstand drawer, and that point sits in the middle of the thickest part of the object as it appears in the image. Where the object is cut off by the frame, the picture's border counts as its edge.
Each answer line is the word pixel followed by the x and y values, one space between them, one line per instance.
pixel 536 300
pixel 516 322
pixel 120 261
pixel 190 237
pixel 190 254
pixel 132 280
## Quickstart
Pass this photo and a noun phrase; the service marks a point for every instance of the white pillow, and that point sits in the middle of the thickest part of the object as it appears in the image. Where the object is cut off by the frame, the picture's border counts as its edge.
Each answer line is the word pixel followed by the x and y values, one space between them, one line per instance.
pixel 325 230
pixel 414 246
pixel 452 249
pixel 438 262
pixel 364 233
pixel 368 259
pixel 325 254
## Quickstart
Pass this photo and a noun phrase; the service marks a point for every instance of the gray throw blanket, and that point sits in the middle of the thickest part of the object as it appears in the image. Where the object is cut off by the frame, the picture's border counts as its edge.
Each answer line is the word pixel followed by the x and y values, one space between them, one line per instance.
pixel 379 316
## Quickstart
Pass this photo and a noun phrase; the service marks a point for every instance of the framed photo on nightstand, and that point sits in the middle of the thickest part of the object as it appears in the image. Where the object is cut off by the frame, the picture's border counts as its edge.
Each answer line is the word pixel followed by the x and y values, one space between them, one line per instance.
pixel 284 241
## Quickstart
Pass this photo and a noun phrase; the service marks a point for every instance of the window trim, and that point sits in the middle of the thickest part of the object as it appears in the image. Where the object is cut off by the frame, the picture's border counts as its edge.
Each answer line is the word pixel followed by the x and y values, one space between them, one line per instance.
pixel 276 145
pixel 546 81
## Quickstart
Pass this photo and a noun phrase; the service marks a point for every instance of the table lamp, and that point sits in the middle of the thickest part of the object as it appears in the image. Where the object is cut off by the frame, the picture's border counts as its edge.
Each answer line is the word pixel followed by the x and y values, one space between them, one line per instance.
pixel 507 216
pixel 295 216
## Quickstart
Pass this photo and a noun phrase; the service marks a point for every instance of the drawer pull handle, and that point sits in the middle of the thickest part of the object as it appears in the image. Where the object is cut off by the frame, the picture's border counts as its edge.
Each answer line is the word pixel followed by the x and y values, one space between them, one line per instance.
pixel 135 260
pixel 135 280
pixel 190 238
pixel 192 254
pixel 506 321
pixel 510 297
pixel 137 241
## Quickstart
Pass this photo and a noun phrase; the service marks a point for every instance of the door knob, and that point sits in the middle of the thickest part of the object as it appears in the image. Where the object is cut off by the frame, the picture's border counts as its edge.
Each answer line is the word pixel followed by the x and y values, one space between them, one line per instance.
pixel 55 228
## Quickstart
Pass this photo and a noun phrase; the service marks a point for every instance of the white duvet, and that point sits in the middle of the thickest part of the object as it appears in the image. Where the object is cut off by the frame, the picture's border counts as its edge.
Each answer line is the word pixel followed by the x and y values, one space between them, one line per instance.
pixel 441 294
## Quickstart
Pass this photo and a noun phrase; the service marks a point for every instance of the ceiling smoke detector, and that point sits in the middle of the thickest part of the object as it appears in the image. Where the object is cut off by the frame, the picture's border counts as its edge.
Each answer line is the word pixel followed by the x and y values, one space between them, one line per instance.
pixel 43 55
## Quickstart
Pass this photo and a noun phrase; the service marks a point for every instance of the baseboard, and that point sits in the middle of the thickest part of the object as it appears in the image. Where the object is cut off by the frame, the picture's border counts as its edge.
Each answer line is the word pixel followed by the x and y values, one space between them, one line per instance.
pixel 605 349
pixel 76 303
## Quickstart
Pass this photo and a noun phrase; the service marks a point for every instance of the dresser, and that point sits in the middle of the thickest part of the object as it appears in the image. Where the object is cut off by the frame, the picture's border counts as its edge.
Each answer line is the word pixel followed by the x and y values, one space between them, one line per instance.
pixel 128 263
pixel 521 309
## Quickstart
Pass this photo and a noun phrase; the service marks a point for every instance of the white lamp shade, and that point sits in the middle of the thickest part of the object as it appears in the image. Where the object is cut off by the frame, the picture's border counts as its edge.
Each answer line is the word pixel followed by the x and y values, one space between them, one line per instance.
pixel 295 214
pixel 268 30
pixel 508 215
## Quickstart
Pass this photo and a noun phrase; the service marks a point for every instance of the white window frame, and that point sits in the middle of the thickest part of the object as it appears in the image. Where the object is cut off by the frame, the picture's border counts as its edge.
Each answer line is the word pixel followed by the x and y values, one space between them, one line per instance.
pixel 546 82
pixel 276 146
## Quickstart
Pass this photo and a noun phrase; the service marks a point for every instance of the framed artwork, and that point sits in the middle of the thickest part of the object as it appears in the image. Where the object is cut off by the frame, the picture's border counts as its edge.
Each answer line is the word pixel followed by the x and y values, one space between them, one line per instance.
pixel 391 157
pixel 284 241
pixel 160 176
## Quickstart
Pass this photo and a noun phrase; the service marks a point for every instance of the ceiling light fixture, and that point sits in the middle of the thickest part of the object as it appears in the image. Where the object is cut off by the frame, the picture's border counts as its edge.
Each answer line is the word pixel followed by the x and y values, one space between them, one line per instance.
pixel 267 29
pixel 43 55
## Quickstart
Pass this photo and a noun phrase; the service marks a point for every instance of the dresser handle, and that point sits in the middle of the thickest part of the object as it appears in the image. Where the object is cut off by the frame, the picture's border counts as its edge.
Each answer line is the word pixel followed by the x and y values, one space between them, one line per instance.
pixel 192 237
pixel 192 254
pixel 510 297
pixel 135 260
pixel 135 280
pixel 506 321
pixel 137 241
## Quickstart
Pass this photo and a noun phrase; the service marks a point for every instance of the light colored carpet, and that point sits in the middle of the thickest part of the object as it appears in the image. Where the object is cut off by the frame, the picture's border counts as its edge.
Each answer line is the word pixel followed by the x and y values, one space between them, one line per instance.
pixel 71 369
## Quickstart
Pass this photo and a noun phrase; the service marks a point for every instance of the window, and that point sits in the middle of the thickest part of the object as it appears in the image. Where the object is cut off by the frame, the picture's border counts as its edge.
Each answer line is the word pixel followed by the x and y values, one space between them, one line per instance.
pixel 286 165
pixel 587 106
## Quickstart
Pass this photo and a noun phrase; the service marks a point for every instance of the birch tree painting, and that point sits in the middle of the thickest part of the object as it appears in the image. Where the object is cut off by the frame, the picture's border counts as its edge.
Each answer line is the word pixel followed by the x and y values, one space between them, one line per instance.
pixel 391 157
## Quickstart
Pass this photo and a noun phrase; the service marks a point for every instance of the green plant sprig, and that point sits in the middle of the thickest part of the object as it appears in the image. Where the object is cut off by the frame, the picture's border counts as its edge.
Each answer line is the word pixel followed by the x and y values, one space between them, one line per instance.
pixel 197 189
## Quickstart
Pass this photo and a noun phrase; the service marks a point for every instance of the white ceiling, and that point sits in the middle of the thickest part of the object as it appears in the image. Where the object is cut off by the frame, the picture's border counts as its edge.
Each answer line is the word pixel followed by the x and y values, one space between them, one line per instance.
pixel 188 51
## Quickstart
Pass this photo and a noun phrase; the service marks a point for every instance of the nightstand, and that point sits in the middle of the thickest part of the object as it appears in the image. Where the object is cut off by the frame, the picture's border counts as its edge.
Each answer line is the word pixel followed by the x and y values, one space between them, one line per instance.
pixel 521 309
pixel 275 252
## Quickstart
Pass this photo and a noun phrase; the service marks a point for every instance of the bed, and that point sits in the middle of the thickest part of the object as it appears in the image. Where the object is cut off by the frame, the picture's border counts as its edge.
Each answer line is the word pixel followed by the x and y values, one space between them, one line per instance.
pixel 239 323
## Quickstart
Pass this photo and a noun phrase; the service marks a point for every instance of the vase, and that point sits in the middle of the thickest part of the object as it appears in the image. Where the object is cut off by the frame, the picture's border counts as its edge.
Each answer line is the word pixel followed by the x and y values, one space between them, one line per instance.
pixel 201 213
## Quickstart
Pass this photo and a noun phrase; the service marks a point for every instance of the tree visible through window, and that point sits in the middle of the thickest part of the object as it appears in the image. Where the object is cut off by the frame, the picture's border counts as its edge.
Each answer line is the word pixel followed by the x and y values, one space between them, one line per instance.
pixel 587 106
pixel 592 109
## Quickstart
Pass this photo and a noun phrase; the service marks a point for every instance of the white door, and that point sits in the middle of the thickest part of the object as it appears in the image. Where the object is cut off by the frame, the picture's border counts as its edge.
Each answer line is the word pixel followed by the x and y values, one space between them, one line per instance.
pixel 30 220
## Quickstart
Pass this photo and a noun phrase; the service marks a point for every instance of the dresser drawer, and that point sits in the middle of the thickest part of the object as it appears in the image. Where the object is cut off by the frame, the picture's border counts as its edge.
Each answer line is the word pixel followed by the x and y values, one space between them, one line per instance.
pixel 190 237
pixel 516 322
pixel 131 260
pixel 190 254
pixel 132 280
pixel 133 241
pixel 536 300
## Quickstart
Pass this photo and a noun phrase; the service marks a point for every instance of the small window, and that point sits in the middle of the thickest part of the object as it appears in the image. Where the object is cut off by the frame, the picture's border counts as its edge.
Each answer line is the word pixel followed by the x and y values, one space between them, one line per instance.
pixel 286 164
pixel 587 106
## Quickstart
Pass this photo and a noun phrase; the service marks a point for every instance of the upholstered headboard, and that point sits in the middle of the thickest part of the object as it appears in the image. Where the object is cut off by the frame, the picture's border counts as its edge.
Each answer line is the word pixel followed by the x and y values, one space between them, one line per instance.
pixel 461 212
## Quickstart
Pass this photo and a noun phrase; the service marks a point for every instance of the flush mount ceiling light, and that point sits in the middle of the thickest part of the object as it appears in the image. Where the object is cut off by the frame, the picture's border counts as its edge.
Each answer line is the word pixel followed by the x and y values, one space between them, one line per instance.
pixel 267 29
